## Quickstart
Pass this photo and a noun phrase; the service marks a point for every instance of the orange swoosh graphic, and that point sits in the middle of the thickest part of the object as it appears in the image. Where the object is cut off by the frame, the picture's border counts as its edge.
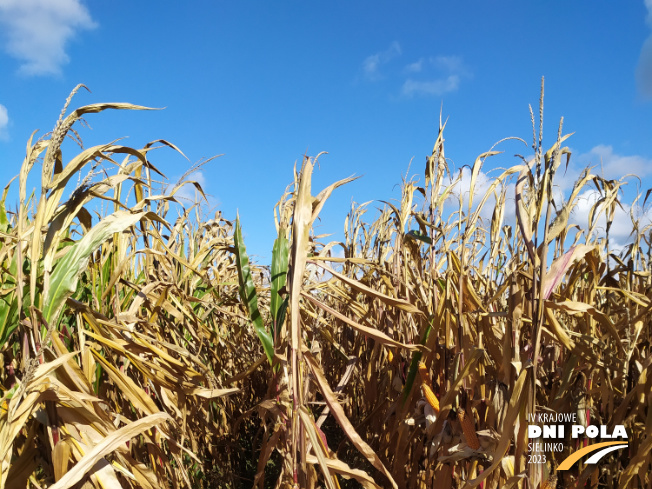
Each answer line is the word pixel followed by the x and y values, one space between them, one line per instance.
pixel 568 462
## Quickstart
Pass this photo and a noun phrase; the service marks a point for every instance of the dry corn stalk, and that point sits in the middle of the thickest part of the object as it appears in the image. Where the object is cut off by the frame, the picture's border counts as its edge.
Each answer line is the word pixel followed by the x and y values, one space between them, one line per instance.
pixel 159 326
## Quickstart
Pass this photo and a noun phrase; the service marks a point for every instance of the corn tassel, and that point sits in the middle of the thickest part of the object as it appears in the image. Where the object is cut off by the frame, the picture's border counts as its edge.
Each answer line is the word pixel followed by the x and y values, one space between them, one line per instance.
pixel 468 428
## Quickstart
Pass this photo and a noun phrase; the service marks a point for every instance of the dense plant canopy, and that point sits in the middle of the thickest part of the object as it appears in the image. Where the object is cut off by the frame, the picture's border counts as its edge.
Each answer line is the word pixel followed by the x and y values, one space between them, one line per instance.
pixel 142 348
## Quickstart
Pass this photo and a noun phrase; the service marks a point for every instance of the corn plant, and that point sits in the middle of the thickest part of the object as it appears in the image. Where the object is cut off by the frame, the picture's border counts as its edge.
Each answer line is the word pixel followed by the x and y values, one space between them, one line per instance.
pixel 142 347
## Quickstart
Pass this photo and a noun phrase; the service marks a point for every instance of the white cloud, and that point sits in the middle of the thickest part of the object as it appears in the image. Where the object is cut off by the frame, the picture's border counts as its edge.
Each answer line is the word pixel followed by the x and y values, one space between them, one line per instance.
pixel 462 186
pixel 605 163
pixel 415 67
pixel 4 121
pixel 614 166
pixel 337 252
pixel 620 232
pixel 36 32
pixel 371 65
pixel 644 67
pixel 189 193
pixel 449 63
pixel 434 75
pixel 621 227
pixel 610 165
pixel 435 87
pixel 444 75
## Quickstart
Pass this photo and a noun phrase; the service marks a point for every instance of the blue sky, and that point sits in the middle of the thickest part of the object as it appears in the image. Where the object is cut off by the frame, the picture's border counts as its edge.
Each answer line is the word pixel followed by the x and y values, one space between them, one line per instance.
pixel 265 82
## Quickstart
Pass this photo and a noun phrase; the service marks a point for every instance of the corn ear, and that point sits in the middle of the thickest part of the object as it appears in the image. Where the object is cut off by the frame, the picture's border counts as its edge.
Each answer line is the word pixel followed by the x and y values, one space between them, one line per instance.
pixel 430 397
pixel 425 376
pixel 468 428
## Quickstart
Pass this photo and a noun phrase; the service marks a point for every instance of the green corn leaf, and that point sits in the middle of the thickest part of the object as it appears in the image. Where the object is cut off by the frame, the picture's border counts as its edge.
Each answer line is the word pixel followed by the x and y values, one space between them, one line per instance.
pixel 280 318
pixel 4 221
pixel 63 282
pixel 9 304
pixel 280 257
pixel 414 366
pixel 8 316
pixel 248 292
pixel 417 236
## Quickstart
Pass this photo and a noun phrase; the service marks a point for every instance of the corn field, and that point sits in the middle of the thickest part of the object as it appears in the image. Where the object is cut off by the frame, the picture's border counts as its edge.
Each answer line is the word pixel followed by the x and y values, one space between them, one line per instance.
pixel 142 349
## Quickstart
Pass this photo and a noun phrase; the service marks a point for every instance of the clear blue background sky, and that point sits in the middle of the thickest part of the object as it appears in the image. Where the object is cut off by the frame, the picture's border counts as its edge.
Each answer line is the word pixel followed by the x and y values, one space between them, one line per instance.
pixel 263 82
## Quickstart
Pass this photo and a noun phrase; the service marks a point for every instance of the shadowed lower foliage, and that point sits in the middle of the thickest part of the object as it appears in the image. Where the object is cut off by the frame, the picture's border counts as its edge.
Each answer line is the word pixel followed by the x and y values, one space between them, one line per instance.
pixel 142 348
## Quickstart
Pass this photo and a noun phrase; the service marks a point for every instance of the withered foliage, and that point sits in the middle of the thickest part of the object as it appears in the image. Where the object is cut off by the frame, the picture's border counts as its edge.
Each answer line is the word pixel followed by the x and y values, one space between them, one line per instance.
pixel 141 348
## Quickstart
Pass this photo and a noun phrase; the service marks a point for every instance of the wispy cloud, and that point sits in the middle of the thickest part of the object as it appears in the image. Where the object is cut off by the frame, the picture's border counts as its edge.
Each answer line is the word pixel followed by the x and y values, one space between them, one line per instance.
pixel 437 87
pixel 453 64
pixel 644 68
pixel 434 75
pixel 371 65
pixel 415 67
pixel 441 75
pixel 188 193
pixel 36 32
pixel 4 121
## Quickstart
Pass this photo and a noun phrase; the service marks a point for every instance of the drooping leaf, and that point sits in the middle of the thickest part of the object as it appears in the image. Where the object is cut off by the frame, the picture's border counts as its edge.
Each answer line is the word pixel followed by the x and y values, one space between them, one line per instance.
pixel 344 422
pixel 63 282
pixel 107 445
pixel 508 427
